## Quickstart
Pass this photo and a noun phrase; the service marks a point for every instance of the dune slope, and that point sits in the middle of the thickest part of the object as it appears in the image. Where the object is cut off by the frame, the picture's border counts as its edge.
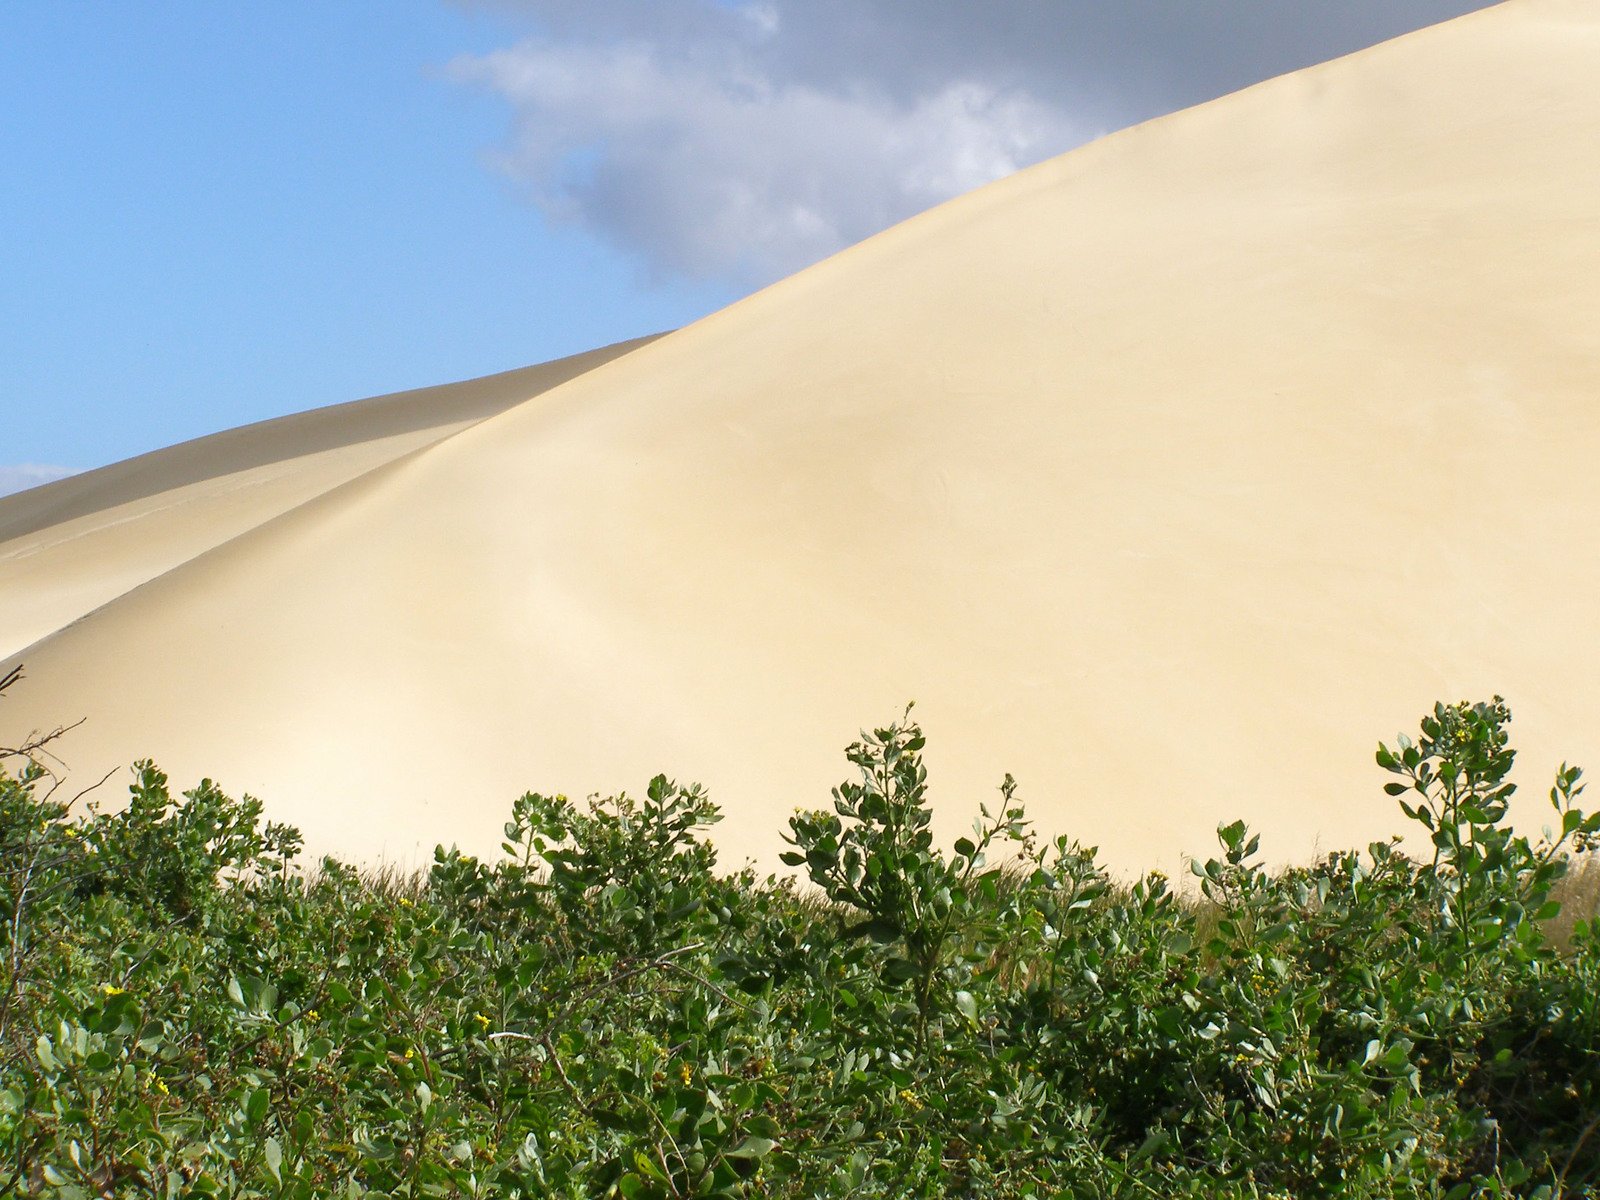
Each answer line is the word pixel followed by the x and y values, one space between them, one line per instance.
pixel 69 547
pixel 1167 475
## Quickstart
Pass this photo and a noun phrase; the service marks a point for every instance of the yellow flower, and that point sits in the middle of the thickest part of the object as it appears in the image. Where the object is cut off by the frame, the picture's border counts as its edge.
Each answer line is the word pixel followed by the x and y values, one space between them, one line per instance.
pixel 161 1086
pixel 410 1053
pixel 481 1019
pixel 112 990
pixel 313 1015
pixel 684 1073
pixel 405 902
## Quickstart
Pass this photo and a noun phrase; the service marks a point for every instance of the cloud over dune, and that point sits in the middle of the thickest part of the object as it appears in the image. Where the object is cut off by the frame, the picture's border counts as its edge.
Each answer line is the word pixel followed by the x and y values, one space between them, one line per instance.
pixel 741 140
pixel 19 477
pixel 737 176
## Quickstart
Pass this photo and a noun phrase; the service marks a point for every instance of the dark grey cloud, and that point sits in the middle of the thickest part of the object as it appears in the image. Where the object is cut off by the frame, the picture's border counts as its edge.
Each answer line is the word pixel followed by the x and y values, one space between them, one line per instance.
pixel 743 139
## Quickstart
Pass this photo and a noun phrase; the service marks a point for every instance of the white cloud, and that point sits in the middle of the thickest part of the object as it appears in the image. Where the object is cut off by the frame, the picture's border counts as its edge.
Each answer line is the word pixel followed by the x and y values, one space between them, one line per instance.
pixel 727 173
pixel 21 476
pixel 743 139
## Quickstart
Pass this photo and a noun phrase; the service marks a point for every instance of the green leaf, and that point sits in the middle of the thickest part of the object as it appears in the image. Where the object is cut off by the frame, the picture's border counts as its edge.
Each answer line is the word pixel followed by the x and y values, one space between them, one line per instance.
pixel 272 1152
pixel 1151 1145
pixel 899 970
pixel 1515 1173
pixel 967 1006
pixel 879 931
pixel 752 1147
pixel 257 1105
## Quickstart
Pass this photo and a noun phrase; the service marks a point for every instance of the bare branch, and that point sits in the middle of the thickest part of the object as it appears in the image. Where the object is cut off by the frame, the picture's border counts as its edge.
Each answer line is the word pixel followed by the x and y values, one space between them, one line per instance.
pixel 36 741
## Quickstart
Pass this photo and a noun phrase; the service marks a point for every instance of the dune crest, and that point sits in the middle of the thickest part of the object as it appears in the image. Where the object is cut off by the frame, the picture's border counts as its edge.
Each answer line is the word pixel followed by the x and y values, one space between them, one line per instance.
pixel 74 545
pixel 1168 475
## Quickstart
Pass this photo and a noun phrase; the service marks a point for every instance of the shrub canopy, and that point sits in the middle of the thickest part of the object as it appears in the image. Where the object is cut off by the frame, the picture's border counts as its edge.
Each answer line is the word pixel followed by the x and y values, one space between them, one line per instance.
pixel 187 1010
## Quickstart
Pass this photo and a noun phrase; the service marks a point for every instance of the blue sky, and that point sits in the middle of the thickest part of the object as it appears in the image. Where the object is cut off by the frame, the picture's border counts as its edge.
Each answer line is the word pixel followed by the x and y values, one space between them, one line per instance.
pixel 218 212
pixel 212 213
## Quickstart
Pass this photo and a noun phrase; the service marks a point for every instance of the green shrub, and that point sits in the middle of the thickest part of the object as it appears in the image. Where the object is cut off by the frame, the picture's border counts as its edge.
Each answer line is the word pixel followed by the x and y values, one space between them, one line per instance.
pixel 873 854
pixel 627 876
pixel 186 1010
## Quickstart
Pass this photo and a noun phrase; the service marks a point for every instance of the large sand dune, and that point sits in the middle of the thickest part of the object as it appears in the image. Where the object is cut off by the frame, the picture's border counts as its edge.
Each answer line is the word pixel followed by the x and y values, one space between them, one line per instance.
pixel 70 547
pixel 1168 475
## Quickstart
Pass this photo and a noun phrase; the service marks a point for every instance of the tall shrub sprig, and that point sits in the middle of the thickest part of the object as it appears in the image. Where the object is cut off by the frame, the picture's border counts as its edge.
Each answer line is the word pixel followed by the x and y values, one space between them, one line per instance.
pixel 1491 880
pixel 874 854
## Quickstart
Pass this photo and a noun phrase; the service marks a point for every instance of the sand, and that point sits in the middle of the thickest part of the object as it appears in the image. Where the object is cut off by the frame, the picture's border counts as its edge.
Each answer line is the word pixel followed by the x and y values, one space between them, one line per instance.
pixel 1168 475
pixel 68 548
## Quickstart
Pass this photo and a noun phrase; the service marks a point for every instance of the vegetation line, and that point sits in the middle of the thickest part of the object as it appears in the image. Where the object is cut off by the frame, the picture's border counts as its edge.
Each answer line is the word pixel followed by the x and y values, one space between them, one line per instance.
pixel 188 1009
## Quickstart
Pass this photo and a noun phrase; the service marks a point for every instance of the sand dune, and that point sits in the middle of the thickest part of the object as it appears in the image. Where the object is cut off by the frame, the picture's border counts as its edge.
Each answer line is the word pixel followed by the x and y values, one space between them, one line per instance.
pixel 69 547
pixel 1168 475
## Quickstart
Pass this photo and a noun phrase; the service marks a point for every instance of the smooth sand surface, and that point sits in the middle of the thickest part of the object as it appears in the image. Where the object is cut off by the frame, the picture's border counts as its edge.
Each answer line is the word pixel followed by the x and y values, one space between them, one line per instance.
pixel 1168 475
pixel 73 545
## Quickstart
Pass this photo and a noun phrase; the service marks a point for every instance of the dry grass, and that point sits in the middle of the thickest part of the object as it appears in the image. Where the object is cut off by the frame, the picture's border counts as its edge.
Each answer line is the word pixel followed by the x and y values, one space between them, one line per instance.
pixel 1579 894
pixel 386 879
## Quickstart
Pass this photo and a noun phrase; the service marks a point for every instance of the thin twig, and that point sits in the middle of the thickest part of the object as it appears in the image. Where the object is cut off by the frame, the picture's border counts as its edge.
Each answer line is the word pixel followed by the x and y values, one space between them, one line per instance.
pixel 1561 1179
pixel 660 962
pixel 741 1005
pixel 547 1037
